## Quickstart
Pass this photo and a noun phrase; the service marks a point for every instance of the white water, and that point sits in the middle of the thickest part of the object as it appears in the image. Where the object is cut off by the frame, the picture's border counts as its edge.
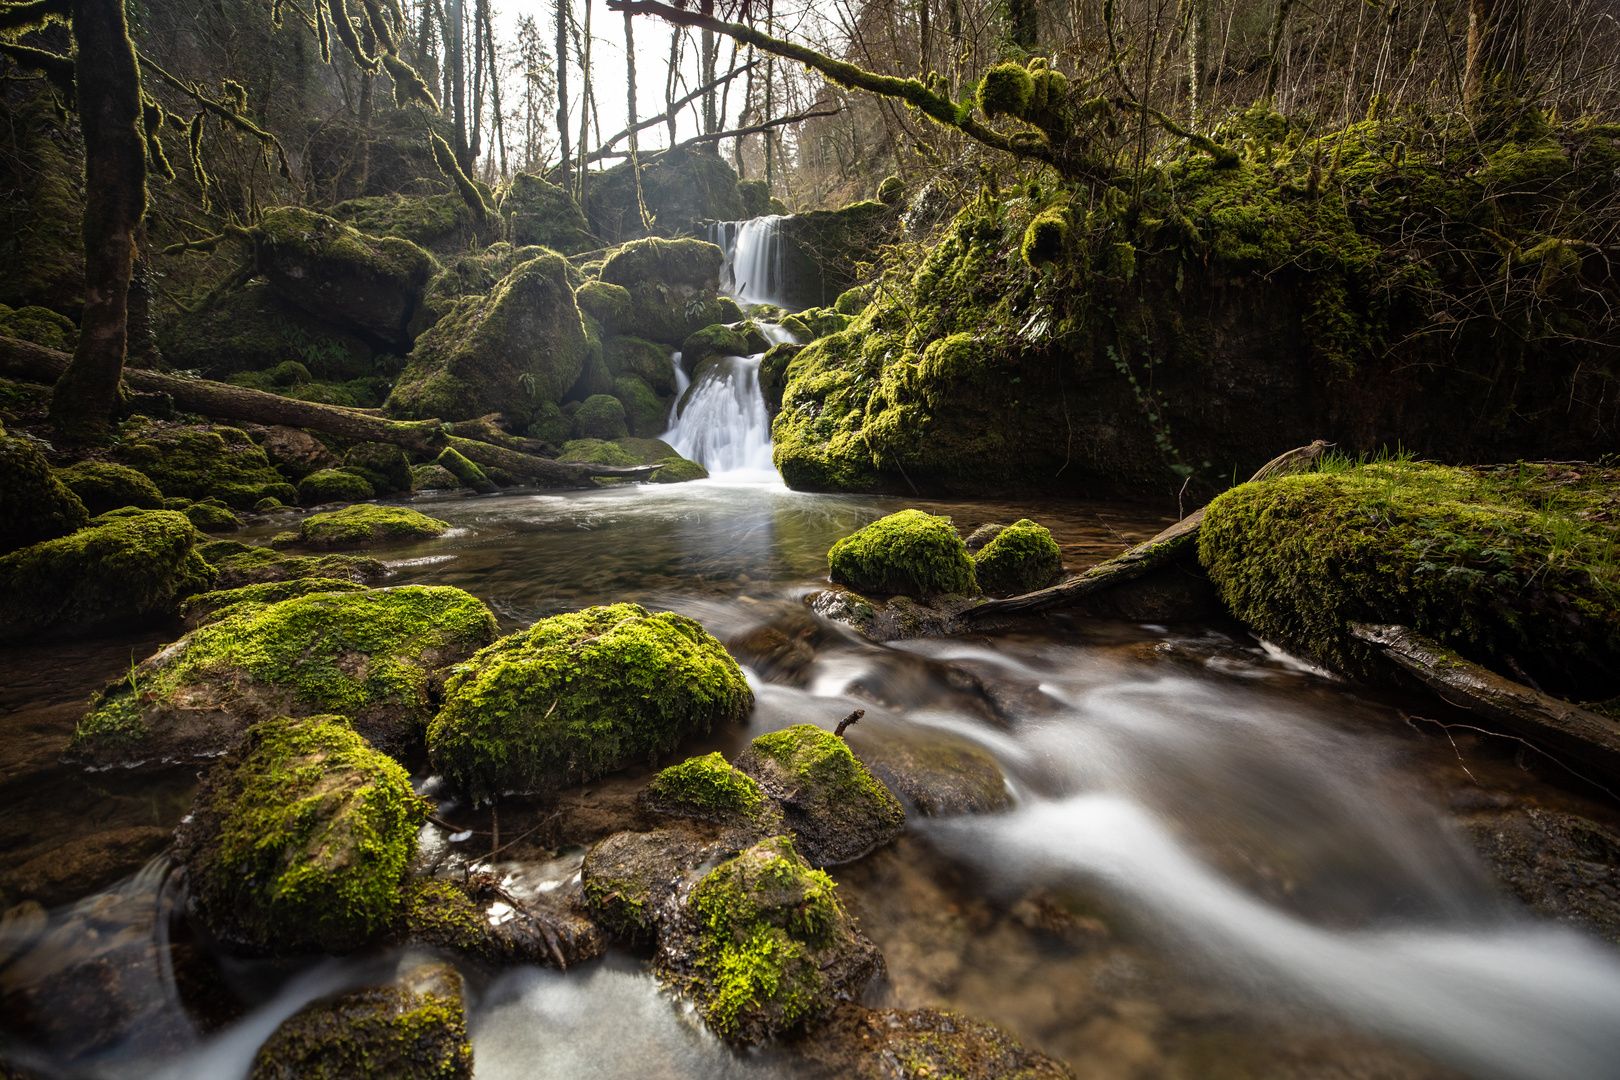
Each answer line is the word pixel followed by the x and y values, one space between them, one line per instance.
pixel 753 270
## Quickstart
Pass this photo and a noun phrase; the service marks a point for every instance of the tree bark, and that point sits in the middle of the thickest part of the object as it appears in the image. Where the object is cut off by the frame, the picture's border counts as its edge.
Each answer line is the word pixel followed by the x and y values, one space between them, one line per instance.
pixel 706 69
pixel 1495 50
pixel 455 48
pixel 87 396
pixel 1197 59
pixel 562 86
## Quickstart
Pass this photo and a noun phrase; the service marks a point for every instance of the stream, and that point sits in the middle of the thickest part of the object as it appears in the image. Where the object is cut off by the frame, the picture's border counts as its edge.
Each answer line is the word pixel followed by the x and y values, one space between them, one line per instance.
pixel 1218 863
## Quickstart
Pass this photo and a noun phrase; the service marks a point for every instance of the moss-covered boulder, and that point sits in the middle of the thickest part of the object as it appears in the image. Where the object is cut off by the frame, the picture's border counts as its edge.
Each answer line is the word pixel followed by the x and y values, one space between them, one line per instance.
pixel 240 565
pixel 440 223
pixel 838 811
pixel 298 839
pixel 466 472
pixel 195 461
pixel 764 945
pixel 631 880
pixel 355 526
pixel 339 273
pixel 40 325
pixel 294 452
pixel 35 504
pixel 470 273
pixel 1020 558
pixel 539 212
pixel 384 466
pixel 708 788
pixel 682 189
pixel 212 606
pixel 523 342
pixel 610 305
pixel 678 470
pixel 646 360
pixel 674 287
pixel 645 413
pixel 371 656
pixel 415 1029
pixel 254 330
pixel 433 477
pixel 582 694
pixel 600 417
pixel 212 516
pixel 102 486
pixel 473 917
pixel 113 570
pixel 911 552
pixel 334 485
pixel 1512 567
pixel 773 373
pixel 741 339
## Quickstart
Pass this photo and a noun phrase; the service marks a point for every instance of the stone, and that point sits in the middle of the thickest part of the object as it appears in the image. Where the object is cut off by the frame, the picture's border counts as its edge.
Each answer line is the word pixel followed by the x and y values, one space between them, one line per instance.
pixel 84 865
pixel 34 503
pixel 102 486
pixel 837 810
pixel 296 452
pixel 674 287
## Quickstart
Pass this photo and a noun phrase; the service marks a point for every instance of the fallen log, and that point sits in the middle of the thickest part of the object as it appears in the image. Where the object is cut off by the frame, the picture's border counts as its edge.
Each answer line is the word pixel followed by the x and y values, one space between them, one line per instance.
pixel 1162 550
pixel 1570 730
pixel 25 360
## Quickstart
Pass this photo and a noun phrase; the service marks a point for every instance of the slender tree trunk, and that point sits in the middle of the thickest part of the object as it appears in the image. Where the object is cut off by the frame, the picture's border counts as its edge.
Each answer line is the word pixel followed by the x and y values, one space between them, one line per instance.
pixel 630 105
pixel 426 54
pixel 1274 63
pixel 456 55
pixel 1496 31
pixel 368 80
pixel 669 79
pixel 88 395
pixel 1022 24
pixel 562 87
pixel 141 348
pixel 1197 58
pixel 585 102
pixel 480 14
pixel 925 39
pixel 711 122
pixel 498 122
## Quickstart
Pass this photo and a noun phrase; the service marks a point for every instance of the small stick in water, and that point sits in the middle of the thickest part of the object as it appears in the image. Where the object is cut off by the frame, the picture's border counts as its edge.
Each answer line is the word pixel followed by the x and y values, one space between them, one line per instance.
pixel 848 720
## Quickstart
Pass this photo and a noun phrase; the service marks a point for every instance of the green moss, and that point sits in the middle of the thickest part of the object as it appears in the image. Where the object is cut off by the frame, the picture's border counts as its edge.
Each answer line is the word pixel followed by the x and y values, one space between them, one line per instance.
pixel 610 305
pixel 334 485
pixel 549 424
pixel 40 325
pixel 706 787
pixel 892 191
pixel 646 414
pixel 356 525
pixel 600 417
pixel 910 552
pixel 582 694
pixel 380 1031
pixel 301 837
pixel 469 274
pixel 240 565
pixel 211 606
pixel 1045 237
pixel 197 462
pixel 383 465
pixel 538 212
pixel 1514 561
pixel 597 452
pixel 35 504
pixel 251 332
pixel 429 221
pixel 431 477
pixel 821 761
pixel 212 515
pixel 647 360
pixel 467 473
pixel 440 914
pixel 744 339
pixel 673 284
pixel 116 568
pixel 41 243
pixel 678 470
pixel 1021 558
pixel 1006 90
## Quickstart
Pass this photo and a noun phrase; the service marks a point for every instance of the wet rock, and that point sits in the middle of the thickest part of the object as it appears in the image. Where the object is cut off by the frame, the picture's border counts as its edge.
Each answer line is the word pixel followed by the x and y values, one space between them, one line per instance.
pixel 631 880
pixel 356 526
pixel 1180 592
pixel 299 839
pixel 940 775
pixel 503 918
pixel 600 416
pixel 674 288
pixel 298 453
pixel 1019 558
pixel 776 656
pixel 382 464
pixel 213 516
pixel 102 486
pixel 34 503
pixel 894 619
pixel 708 788
pixel 241 565
pixel 646 360
pixel 372 654
pixel 415 1029
pixel 334 485
pixel 196 461
pixel 117 569
pixel 909 553
pixel 763 946
pixel 1561 865
pixel 83 866
pixel 433 477
pixel 889 1044
pixel 837 810
pixel 983 535
pixel 579 695
pixel 743 339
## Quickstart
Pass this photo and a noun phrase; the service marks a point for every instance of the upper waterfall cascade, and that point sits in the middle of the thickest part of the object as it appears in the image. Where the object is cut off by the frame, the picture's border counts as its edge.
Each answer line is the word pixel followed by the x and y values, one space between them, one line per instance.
pixel 753 271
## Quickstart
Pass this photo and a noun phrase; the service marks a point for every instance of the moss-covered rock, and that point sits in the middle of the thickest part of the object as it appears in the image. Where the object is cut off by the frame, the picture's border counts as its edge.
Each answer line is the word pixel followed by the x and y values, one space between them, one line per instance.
pixel 116 568
pixel 631 880
pixel 1512 567
pixel 838 811
pixel 299 838
pixel 250 332
pixel 339 273
pixel 413 1030
pixel 35 504
pixel 371 656
pixel 467 473
pixel 470 273
pixel 538 212
pixel 523 342
pixel 765 946
pixel 610 305
pixel 334 485
pixel 240 565
pixel 647 360
pixel 1020 558
pixel 475 918
pixel 682 189
pixel 598 452
pixel 742 339
pixel 773 373
pixel 601 417
pixel 212 606
pixel 40 325
pixel 295 453
pixel 910 552
pixel 355 526
pixel 709 789
pixel 582 694
pixel 195 461
pixel 433 477
pixel 102 486
pixel 674 287
pixel 678 470
pixel 866 1044
pixel 441 223
pixel 383 465
pixel 645 413
pixel 212 516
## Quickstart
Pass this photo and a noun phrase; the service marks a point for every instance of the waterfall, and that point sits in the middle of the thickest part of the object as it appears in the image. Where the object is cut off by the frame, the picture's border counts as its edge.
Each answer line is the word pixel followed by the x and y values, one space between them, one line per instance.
pixel 753 270
pixel 721 422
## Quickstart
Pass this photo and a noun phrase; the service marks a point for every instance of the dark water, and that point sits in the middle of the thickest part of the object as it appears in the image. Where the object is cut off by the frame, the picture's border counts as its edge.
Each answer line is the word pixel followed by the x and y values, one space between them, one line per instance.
pixel 1218 864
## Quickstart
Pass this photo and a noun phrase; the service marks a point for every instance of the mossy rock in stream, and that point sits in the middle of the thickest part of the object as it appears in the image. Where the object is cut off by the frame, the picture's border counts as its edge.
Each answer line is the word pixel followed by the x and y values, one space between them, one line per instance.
pixel 678 470
pixel 384 466
pixel 1511 566
pixel 838 811
pixel 104 486
pixel 579 695
pixel 910 553
pixel 741 339
pixel 646 360
pixel 334 485
pixel 356 526
pixel 631 880
pixel 708 788
pixel 210 607
pixel 373 656
pixel 116 569
pixel 1019 558
pixel 299 838
pixel 196 461
pixel 764 945
pixel 212 516
pixel 600 416
pixel 240 565
pixel 674 288
pixel 35 504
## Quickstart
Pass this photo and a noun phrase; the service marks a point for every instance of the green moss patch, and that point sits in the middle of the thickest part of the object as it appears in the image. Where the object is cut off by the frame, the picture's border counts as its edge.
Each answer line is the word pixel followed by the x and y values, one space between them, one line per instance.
pixel 212 516
pixel 678 470
pixel 674 287
pixel 1021 558
pixel 40 325
pixel 646 360
pixel 706 787
pixel 298 839
pixel 240 565
pixel 837 809
pixel 582 694
pixel 539 212
pixel 381 1031
pixel 34 503
pixel 103 486
pixel 382 464
pixel 354 526
pixel 334 485
pixel 193 461
pixel 212 606
pixel 600 416
pixel 910 552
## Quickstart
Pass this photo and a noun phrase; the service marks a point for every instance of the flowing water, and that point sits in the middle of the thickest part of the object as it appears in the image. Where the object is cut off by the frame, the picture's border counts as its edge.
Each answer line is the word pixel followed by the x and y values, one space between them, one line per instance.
pixel 753 271
pixel 1218 863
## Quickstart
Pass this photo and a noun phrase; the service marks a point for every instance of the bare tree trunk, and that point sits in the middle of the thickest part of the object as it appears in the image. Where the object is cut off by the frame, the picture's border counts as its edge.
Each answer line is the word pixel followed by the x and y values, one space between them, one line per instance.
pixel 1197 58
pixel 669 79
pixel 1022 23
pixel 456 55
pixel 630 89
pixel 1496 31
pixel 562 86
pixel 480 15
pixel 88 394
pixel 584 102
pixel 711 123
pixel 498 121
pixel 368 80
pixel 1274 62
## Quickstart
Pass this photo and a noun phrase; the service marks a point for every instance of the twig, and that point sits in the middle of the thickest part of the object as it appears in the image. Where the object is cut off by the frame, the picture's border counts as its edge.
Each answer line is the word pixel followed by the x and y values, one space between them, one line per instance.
pixel 1500 735
pixel 852 718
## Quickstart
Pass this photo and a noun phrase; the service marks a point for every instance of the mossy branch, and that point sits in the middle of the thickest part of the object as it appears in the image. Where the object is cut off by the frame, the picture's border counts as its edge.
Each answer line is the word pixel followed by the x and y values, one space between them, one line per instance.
pixel 231 116
pixel 446 159
pixel 1225 157
pixel 338 18
pixel 21 18
pixel 54 66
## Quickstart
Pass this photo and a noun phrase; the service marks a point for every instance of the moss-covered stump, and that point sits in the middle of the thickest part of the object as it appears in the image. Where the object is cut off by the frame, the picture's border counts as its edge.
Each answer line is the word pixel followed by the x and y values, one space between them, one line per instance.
pixel 382 464
pixel 522 342
pixel 371 656
pixel 114 570
pixel 646 360
pixel 838 811
pixel 334 485
pixel 579 695
pixel 339 273
pixel 356 526
pixel 631 881
pixel 194 461
pixel 34 503
pixel 674 288
pixel 240 565
pixel 102 486
pixel 708 788
pixel 741 339
pixel 1019 558
pixel 867 1044
pixel 1512 566
pixel 763 945
pixel 538 212
pixel 415 1029
pixel 298 839
pixel 940 775
pixel 911 552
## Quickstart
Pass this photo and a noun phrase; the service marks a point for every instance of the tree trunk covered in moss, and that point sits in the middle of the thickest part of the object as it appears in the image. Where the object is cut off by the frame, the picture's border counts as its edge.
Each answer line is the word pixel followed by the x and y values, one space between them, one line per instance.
pixel 1496 30
pixel 87 396
pixel 562 87
pixel 1197 57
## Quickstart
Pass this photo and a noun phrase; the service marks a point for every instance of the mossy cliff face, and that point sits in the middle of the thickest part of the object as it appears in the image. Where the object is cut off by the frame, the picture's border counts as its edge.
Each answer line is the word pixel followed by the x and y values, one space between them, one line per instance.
pixel 41 245
pixel 1512 565
pixel 681 189
pixel 579 695
pixel 441 224
pixel 340 274
pixel 194 461
pixel 837 810
pixel 115 569
pixel 255 328
pixel 674 287
pixel 355 526
pixel 34 503
pixel 821 249
pixel 1021 558
pixel 371 656
pixel 537 212
pixel 911 552
pixel 299 839
pixel 523 342
pixel 102 486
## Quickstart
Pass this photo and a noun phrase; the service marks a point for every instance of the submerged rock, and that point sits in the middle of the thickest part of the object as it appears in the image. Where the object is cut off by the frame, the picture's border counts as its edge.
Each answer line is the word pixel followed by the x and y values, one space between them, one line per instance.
pixel 838 811
pixel 911 553
pixel 371 655
pixel 940 775
pixel 1017 559
pixel 582 694
pixel 674 288
pixel 104 486
pixel 883 1044
pixel 34 503
pixel 299 839
pixel 83 865
pixel 356 526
